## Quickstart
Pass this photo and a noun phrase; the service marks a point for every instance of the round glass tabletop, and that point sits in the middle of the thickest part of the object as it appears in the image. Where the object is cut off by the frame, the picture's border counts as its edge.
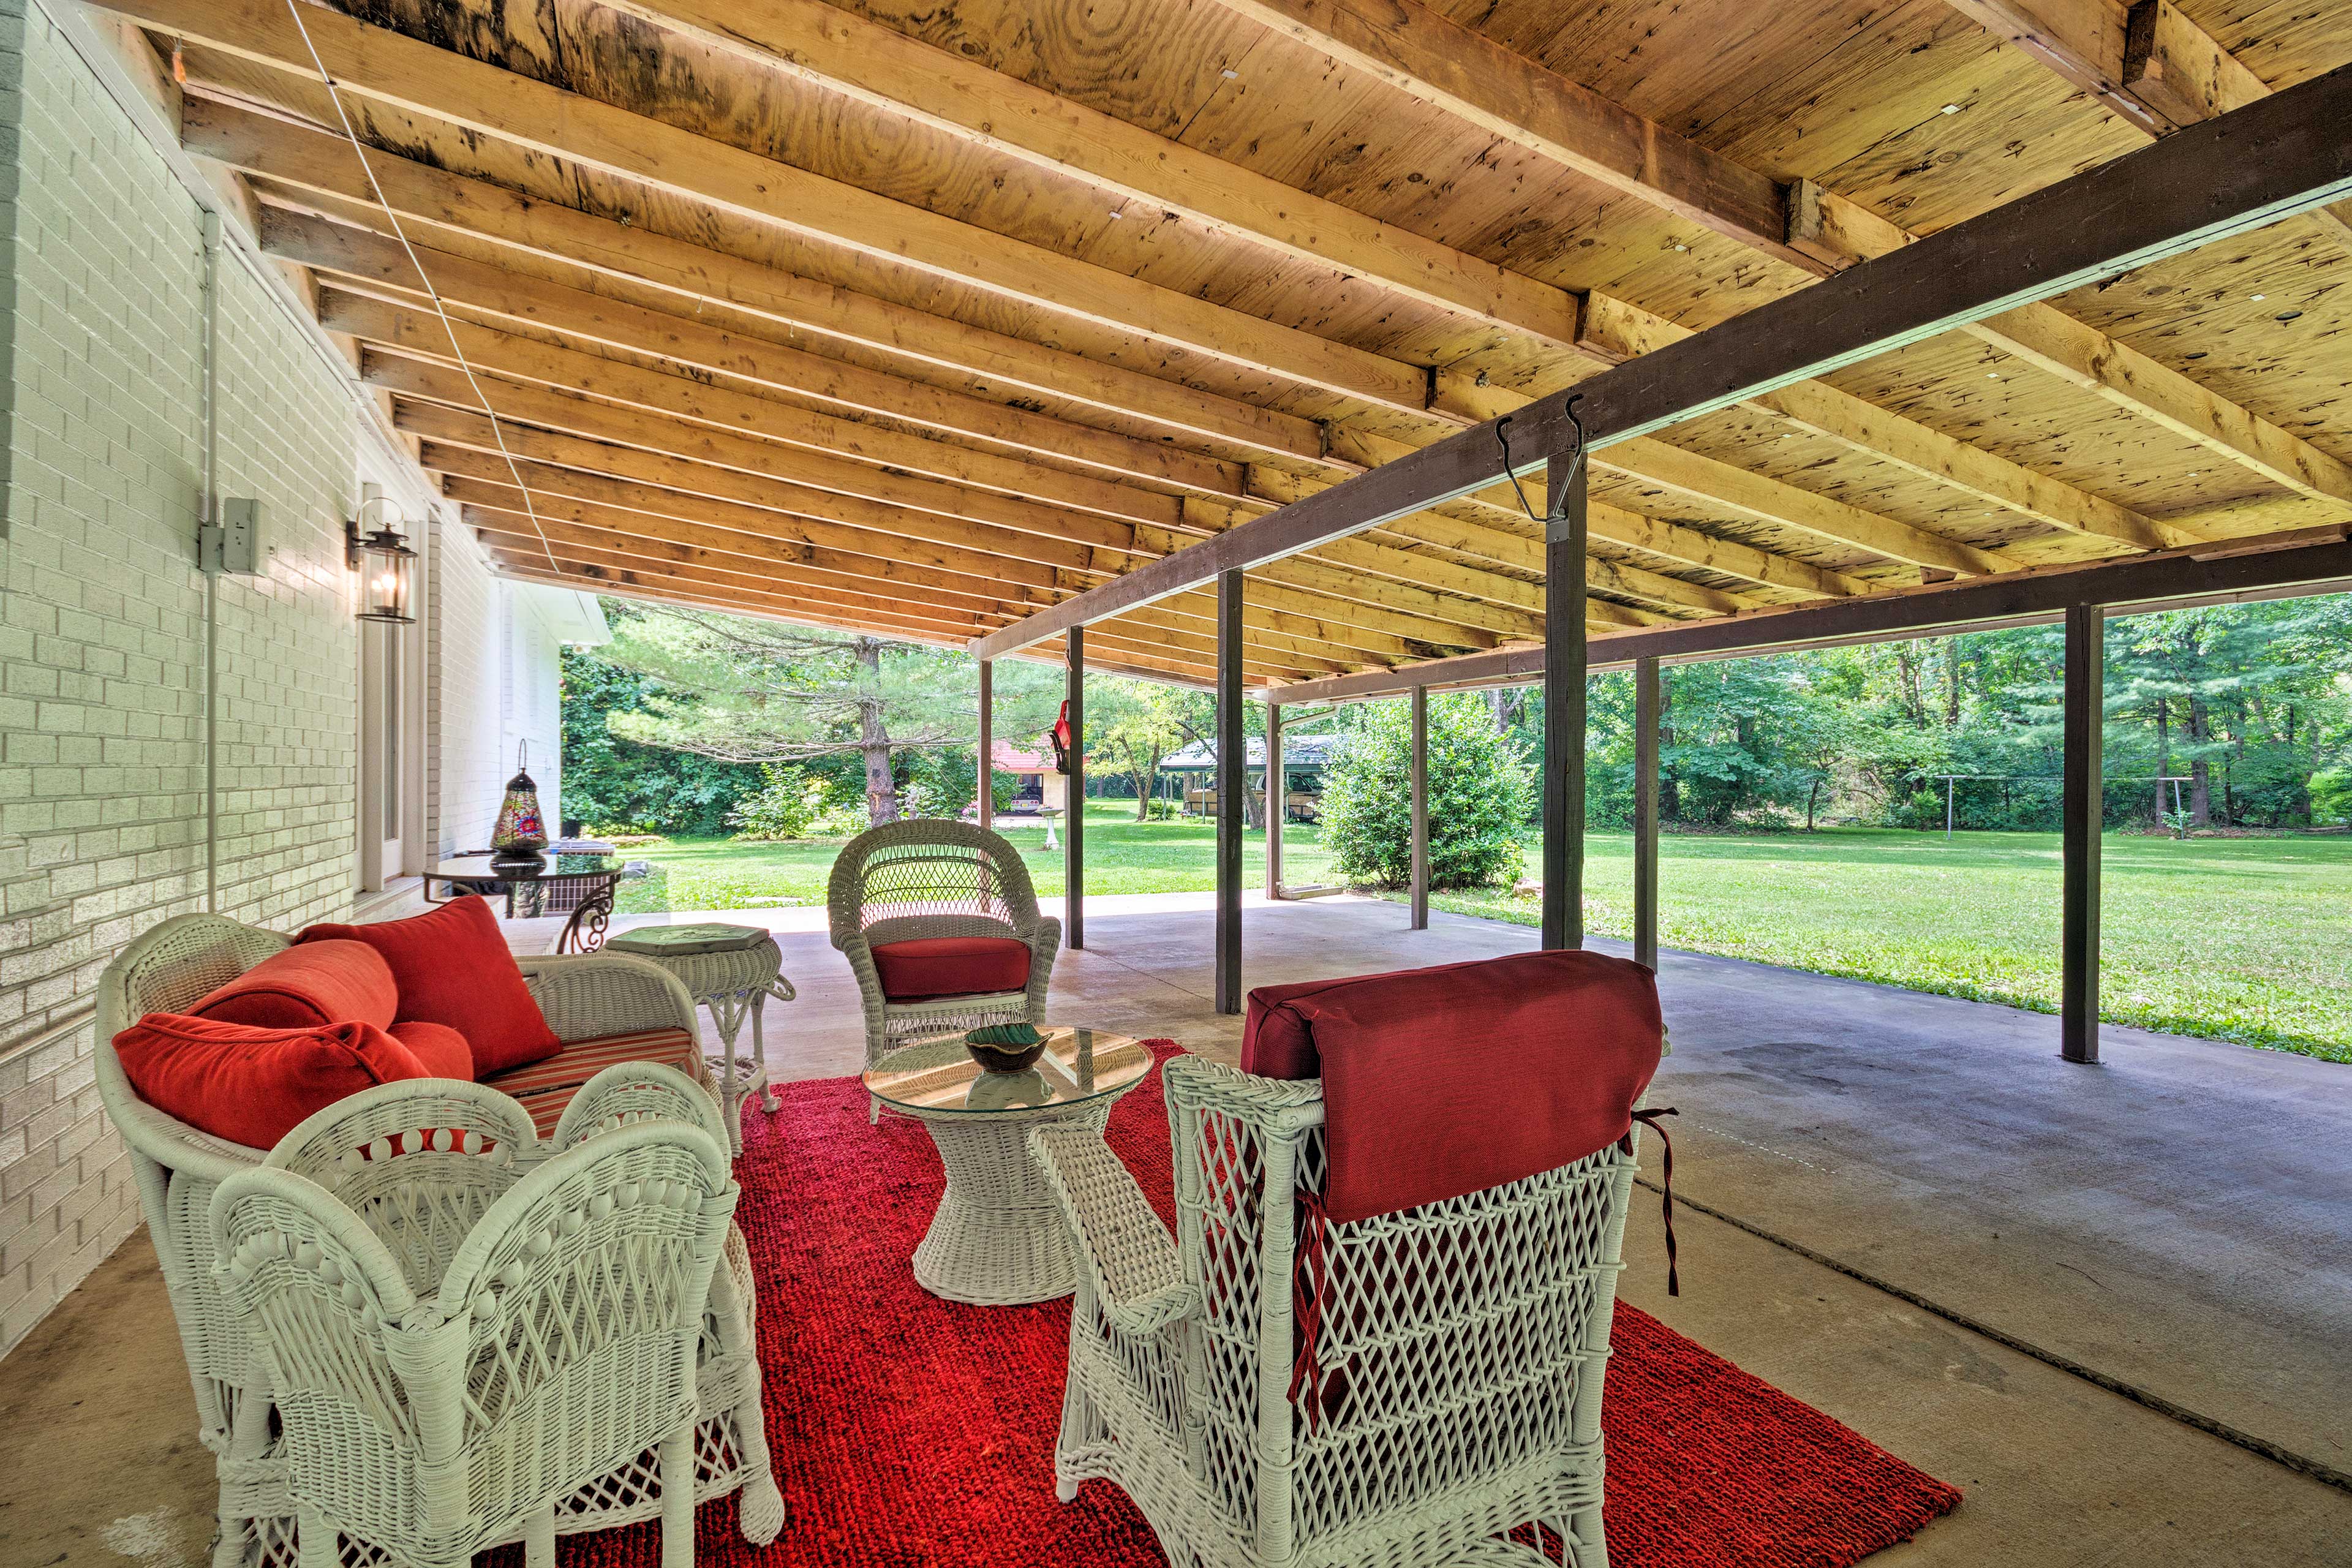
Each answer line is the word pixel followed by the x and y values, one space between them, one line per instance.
pixel 482 868
pixel 938 1077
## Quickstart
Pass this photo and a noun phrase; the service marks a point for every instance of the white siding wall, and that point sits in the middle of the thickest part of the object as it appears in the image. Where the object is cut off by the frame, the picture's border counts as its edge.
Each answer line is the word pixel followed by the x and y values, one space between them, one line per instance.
pixel 464 755
pixel 102 830
pixel 534 684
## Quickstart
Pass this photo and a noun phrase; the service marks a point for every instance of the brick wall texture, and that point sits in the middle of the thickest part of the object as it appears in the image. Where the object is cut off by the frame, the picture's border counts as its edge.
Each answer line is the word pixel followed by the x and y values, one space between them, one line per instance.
pixel 102 629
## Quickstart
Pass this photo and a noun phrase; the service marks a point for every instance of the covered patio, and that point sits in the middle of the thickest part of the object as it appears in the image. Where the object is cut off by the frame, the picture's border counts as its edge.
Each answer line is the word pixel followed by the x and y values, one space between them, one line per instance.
pixel 1835 1242
pixel 1307 352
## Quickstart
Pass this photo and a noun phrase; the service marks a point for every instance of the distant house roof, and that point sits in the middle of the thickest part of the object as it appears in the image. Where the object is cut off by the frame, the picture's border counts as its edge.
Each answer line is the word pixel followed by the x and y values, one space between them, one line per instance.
pixel 1297 751
pixel 1012 759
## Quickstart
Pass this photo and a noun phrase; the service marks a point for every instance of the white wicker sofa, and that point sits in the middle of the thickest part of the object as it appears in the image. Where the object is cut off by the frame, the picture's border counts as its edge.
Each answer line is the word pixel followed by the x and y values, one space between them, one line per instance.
pixel 585 997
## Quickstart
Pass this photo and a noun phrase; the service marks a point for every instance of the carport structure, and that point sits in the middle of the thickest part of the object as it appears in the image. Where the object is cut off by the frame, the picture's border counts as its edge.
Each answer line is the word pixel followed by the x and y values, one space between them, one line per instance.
pixel 1029 324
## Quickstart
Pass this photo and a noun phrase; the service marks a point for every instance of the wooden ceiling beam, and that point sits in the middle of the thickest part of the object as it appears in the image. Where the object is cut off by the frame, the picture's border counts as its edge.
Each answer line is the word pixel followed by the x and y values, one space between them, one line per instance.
pixel 731 524
pixel 1728 556
pixel 783 510
pixel 1507 96
pixel 1653 462
pixel 665 538
pixel 284 155
pixel 570 413
pixel 420 333
pixel 386 67
pixel 655 475
pixel 371 259
pixel 878 66
pixel 287 159
pixel 644 562
pixel 1141 663
pixel 1444 63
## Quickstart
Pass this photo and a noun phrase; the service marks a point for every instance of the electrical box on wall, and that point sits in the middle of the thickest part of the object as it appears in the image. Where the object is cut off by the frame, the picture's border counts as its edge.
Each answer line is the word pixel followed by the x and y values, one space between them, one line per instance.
pixel 236 547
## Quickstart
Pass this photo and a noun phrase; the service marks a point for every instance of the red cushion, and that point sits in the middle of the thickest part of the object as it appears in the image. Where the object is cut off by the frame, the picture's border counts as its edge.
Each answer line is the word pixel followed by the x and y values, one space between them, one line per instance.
pixel 303 987
pixel 254 1086
pixel 453 968
pixel 952 966
pixel 442 1049
pixel 1438 1082
pixel 546 1087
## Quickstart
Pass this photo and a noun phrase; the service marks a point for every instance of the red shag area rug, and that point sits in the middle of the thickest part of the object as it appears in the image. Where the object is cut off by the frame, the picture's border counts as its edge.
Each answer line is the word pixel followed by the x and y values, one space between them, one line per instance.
pixel 909 1432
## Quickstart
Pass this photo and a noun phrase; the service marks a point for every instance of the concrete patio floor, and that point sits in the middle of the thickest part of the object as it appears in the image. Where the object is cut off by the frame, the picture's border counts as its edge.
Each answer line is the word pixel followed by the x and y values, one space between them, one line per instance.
pixel 2175 1220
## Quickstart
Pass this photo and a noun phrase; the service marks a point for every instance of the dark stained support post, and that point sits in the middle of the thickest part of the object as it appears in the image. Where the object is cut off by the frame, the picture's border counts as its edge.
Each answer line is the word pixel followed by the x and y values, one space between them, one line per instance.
pixel 2078 1027
pixel 1232 778
pixel 986 789
pixel 1420 807
pixel 1564 688
pixel 1277 801
pixel 1074 837
pixel 1646 812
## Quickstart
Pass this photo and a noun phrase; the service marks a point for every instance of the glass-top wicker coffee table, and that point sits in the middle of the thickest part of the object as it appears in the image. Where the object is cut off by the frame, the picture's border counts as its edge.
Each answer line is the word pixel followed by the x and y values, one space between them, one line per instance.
pixel 998 1240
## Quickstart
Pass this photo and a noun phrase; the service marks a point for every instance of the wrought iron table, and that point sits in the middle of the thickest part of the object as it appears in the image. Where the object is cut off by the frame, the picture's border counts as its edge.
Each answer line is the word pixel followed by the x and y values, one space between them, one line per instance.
pixel 998 1240
pixel 577 885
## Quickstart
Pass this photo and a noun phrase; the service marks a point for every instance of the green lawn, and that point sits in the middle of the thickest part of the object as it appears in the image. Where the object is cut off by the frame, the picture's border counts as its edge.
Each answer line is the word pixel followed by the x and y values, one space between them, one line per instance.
pixel 2242 939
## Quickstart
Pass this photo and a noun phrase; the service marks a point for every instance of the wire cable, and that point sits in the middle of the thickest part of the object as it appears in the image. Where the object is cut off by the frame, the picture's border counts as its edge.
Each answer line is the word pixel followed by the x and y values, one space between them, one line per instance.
pixel 498 432
pixel 1503 440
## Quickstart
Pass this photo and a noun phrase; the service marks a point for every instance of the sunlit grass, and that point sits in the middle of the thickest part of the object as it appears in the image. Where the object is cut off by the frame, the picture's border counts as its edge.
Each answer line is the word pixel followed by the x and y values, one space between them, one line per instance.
pixel 2246 939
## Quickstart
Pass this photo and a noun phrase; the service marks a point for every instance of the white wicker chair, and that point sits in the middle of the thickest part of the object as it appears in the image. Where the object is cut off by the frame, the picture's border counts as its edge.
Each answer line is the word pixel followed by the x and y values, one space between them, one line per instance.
pixel 1461 1345
pixel 910 881
pixel 558 1344
pixel 179 1168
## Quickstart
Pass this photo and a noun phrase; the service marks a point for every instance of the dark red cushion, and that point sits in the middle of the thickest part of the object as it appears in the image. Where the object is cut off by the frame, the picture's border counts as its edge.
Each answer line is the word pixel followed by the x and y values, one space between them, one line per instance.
pixel 453 968
pixel 442 1049
pixel 1438 1082
pixel 938 966
pixel 304 987
pixel 254 1086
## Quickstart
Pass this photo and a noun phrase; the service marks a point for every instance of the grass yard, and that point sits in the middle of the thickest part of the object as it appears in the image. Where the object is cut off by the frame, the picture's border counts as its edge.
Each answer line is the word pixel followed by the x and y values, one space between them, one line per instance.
pixel 2235 938
pixel 2232 938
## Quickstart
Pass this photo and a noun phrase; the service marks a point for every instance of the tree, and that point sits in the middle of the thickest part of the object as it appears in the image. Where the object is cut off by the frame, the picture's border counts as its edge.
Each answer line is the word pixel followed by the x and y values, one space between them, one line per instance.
pixel 1481 796
pixel 618 785
pixel 749 691
pixel 1136 724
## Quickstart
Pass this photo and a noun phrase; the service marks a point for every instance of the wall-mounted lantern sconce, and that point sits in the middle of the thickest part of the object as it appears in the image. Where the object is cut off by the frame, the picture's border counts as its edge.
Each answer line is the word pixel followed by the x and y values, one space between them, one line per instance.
pixel 386 566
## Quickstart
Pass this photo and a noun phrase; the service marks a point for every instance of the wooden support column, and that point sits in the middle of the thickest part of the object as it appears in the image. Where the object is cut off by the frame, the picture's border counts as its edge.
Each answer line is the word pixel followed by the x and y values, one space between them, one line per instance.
pixel 2084 793
pixel 1232 778
pixel 1420 701
pixel 1646 812
pixel 1277 800
pixel 1073 834
pixel 986 789
pixel 1564 688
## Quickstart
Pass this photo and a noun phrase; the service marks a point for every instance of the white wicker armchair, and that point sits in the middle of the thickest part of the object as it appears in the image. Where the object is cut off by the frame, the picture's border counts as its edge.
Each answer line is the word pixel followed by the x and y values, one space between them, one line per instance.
pixel 558 1343
pixel 1460 1346
pixel 911 882
pixel 179 1169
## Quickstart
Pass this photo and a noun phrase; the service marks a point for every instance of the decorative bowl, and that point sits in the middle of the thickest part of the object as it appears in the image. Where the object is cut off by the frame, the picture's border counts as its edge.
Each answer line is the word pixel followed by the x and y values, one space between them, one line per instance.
pixel 1005 1048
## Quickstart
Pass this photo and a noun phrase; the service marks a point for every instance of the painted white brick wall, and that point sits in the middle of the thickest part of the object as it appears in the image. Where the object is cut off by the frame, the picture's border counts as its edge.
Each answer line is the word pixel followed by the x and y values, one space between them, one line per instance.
pixel 101 653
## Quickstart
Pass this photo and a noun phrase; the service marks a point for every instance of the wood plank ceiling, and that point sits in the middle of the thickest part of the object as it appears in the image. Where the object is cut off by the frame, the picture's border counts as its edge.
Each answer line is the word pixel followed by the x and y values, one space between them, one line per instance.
pixel 917 317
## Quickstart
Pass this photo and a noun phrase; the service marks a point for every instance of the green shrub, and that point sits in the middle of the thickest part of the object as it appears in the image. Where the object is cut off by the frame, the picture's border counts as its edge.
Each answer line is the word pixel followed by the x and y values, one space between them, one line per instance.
pixel 786 805
pixel 1482 794
pixel 2331 796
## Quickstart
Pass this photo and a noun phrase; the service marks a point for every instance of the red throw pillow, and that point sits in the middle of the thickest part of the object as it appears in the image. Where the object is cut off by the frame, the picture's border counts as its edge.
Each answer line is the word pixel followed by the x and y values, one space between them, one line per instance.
pixel 441 1049
pixel 935 966
pixel 254 1086
pixel 453 968
pixel 304 987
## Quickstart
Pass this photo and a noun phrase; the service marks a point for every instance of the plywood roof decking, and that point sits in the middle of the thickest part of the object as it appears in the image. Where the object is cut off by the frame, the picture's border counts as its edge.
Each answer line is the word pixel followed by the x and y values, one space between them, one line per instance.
pixel 1099 279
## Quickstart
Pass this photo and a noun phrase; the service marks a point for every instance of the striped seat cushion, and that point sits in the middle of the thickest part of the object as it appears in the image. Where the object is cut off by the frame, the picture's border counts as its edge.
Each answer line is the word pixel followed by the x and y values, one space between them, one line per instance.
pixel 545 1086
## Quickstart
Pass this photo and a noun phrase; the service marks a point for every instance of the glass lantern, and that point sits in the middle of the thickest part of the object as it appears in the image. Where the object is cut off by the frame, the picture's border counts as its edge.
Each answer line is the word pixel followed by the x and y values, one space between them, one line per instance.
pixel 386 566
pixel 520 835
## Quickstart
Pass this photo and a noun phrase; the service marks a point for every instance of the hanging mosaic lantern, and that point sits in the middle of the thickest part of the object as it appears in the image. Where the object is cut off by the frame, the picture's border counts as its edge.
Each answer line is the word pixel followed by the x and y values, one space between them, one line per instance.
pixel 520 835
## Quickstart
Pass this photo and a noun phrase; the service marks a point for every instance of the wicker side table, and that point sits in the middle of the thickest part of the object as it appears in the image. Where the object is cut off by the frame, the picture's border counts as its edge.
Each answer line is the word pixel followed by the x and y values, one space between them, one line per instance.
pixel 999 1239
pixel 732 970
